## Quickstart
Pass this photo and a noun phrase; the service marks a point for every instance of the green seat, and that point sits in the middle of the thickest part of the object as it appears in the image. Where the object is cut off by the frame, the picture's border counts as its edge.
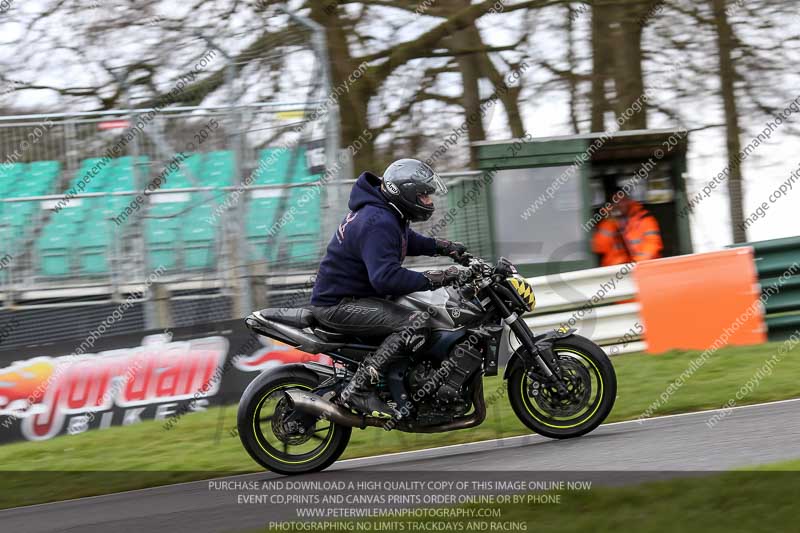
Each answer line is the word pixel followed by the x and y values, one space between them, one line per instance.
pixel 73 213
pixel 156 232
pixel 200 205
pixel 218 169
pixel 50 168
pixel 217 178
pixel 189 170
pixel 300 226
pixel 58 227
pixel 39 189
pixel 97 209
pixel 197 258
pixel 199 245
pixel 176 180
pixel 95 233
pixel 55 264
pixel 168 213
pixel 119 187
pixel 158 258
pixel 306 219
pixel 300 173
pixel 258 251
pixel 259 228
pixel 19 192
pixel 193 233
pixel 11 236
pixel 273 166
pixel 16 213
pixel 193 162
pixel 263 208
pixel 11 171
pixel 303 251
pixel 93 246
pixel 96 184
pixel 54 254
pixel 219 159
pixel 42 176
pixel 161 240
pixel 309 195
pixel 103 207
pixel 124 176
pixel 93 260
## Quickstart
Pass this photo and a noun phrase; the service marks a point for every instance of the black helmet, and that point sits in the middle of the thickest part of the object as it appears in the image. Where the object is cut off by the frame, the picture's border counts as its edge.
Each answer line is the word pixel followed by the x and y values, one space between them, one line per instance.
pixel 406 186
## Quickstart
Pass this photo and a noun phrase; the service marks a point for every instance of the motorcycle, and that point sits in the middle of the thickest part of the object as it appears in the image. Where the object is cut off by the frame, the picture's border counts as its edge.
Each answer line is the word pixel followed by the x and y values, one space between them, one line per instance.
pixel 559 384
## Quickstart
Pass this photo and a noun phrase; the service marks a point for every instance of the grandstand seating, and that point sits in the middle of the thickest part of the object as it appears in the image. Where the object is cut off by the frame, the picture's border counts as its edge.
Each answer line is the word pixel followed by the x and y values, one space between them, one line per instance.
pixel 301 225
pixel 18 180
pixel 179 231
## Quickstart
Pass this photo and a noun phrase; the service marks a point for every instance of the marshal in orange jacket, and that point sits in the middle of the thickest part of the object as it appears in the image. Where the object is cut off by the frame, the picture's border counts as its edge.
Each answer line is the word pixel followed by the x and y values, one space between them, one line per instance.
pixel 634 236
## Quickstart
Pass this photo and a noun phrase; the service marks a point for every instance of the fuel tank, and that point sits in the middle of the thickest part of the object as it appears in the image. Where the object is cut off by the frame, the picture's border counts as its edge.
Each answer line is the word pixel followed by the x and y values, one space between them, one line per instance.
pixel 445 307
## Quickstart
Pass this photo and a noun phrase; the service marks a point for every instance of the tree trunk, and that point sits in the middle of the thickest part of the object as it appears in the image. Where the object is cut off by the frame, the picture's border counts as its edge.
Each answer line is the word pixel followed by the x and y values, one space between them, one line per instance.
pixel 469 66
pixel 617 62
pixel 573 68
pixel 628 77
pixel 727 77
pixel 353 99
pixel 601 62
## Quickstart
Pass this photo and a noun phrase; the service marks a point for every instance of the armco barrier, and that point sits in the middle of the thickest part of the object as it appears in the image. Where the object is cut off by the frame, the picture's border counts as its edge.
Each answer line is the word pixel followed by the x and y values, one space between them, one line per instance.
pixel 590 301
pixel 778 265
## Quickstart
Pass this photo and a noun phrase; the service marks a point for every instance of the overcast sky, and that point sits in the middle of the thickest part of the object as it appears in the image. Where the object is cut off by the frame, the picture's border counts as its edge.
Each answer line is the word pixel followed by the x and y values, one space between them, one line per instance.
pixel 769 166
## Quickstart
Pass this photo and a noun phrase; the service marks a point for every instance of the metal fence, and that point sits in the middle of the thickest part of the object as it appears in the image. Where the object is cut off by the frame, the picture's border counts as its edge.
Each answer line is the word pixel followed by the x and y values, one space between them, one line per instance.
pixel 231 276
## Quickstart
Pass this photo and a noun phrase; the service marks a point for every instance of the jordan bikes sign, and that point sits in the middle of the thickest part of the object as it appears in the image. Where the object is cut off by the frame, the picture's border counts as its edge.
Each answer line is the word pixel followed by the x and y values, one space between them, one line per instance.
pixel 150 376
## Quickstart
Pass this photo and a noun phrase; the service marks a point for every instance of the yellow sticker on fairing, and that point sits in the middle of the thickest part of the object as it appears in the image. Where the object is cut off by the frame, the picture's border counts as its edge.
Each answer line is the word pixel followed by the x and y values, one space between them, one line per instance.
pixel 525 290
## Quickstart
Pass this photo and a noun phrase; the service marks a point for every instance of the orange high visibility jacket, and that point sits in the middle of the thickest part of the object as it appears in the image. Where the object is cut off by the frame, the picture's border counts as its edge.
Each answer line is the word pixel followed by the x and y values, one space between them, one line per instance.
pixel 636 238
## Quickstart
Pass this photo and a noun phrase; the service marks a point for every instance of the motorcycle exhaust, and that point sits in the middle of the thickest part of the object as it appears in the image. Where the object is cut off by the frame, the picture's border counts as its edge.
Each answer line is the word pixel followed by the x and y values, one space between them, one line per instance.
pixel 312 404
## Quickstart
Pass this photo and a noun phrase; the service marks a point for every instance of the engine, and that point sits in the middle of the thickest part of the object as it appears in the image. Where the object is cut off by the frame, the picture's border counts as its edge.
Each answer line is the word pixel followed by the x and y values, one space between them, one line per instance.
pixel 439 391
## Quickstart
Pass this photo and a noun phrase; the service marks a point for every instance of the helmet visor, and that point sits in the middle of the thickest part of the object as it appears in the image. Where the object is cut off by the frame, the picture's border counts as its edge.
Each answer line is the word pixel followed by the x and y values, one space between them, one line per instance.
pixel 436 181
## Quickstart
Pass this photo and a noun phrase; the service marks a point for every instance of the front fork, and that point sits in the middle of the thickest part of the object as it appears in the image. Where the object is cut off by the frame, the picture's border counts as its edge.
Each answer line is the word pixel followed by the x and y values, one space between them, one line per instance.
pixel 538 353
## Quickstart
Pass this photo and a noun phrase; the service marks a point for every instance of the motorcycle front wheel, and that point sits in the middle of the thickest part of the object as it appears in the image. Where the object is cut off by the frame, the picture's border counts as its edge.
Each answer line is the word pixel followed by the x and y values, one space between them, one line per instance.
pixel 592 385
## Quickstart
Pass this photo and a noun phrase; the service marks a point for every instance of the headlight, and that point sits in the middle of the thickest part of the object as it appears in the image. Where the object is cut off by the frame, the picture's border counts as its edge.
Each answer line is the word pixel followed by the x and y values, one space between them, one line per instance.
pixel 525 291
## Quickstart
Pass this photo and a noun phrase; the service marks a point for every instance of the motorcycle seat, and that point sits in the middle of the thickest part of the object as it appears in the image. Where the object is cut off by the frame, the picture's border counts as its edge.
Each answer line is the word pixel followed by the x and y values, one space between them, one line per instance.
pixel 299 317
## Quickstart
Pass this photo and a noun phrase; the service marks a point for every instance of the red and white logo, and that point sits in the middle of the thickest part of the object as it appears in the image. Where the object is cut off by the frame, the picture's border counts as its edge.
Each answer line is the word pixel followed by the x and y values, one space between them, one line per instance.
pixel 276 353
pixel 44 390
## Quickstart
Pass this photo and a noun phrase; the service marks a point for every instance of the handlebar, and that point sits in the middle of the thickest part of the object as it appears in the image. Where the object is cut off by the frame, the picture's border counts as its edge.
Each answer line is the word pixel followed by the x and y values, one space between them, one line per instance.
pixel 480 269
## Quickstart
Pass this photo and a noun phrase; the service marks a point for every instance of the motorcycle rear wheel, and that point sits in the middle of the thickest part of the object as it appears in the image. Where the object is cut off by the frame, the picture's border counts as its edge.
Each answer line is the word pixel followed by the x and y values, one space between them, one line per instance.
pixel 266 436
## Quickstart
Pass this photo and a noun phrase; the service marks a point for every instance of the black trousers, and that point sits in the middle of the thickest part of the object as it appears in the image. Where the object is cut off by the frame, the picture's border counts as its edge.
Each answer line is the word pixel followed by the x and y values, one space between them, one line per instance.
pixel 408 329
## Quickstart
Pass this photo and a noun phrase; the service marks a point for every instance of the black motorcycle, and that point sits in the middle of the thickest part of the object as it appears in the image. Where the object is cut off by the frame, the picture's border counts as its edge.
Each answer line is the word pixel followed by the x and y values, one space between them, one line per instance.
pixel 560 385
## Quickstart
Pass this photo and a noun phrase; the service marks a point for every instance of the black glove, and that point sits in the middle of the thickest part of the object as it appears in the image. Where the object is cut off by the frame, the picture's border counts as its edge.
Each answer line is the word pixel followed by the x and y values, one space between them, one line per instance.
pixel 454 250
pixel 440 278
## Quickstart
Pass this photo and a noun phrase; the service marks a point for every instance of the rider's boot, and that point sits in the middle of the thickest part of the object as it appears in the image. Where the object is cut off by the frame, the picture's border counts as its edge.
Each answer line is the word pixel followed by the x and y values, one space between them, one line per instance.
pixel 359 394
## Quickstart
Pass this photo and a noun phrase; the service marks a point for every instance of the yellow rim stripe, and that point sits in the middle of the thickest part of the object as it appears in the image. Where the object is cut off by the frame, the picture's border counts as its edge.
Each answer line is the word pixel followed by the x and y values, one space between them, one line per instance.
pixel 255 432
pixel 600 393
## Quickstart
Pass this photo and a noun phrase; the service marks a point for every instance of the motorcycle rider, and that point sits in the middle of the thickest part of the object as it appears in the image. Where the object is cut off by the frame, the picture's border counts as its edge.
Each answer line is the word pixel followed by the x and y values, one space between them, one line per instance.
pixel 363 266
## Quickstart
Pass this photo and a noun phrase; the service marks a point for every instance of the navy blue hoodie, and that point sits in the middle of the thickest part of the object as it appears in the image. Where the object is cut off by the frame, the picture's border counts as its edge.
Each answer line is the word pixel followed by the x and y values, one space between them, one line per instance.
pixel 365 254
